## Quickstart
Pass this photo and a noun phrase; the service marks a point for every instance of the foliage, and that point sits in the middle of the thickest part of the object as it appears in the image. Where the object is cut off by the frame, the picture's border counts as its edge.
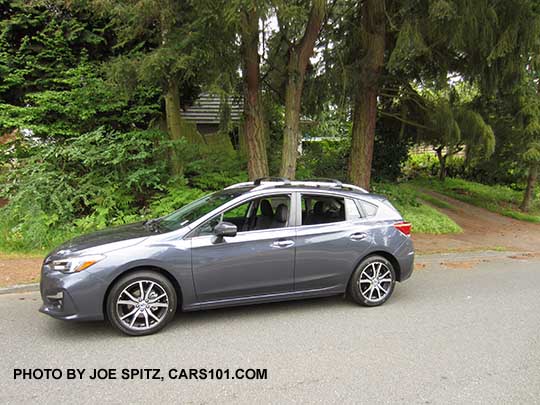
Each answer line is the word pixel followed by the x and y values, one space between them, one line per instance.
pixel 328 157
pixel 453 126
pixel 158 41
pixel 425 164
pixel 90 181
pixel 177 196
pixel 215 168
pixel 424 218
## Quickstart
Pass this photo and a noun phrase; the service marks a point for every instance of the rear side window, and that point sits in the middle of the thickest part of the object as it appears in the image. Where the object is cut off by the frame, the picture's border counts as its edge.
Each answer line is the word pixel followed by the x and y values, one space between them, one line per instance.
pixel 368 209
pixel 322 209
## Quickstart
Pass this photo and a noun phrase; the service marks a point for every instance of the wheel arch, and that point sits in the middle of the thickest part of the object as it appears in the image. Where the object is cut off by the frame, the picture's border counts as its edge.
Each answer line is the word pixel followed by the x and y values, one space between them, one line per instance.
pixel 388 256
pixel 156 269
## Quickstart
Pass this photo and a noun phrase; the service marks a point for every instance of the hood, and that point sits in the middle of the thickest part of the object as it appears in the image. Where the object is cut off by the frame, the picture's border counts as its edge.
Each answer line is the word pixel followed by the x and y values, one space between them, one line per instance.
pixel 114 237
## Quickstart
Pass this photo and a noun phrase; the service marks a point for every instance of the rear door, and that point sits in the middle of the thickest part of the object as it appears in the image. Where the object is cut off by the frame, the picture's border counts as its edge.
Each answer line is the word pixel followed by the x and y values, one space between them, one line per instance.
pixel 330 240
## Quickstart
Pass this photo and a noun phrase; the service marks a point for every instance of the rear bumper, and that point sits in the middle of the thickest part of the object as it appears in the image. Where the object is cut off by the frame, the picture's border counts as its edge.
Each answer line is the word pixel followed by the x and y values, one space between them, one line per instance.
pixel 77 296
pixel 405 257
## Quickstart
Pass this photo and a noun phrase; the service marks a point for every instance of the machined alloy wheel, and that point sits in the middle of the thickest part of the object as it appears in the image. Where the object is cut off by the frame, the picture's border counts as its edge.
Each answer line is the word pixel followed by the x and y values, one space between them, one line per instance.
pixel 141 303
pixel 373 281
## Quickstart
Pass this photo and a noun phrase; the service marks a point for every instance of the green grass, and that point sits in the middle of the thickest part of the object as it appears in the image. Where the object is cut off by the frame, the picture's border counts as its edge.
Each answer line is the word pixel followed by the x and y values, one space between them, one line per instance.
pixel 22 255
pixel 426 219
pixel 408 201
pixel 434 201
pixel 500 199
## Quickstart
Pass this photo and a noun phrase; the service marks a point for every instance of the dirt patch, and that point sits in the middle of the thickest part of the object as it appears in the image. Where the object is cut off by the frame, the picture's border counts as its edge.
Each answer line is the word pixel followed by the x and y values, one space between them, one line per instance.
pixel 482 230
pixel 525 256
pixel 460 265
pixel 419 266
pixel 19 271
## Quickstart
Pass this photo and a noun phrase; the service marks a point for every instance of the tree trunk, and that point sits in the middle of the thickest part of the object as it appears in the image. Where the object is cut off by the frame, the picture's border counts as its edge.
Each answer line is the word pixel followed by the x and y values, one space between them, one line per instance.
pixel 529 191
pixel 442 163
pixel 291 132
pixel 299 55
pixel 253 110
pixel 174 124
pixel 372 46
pixel 363 138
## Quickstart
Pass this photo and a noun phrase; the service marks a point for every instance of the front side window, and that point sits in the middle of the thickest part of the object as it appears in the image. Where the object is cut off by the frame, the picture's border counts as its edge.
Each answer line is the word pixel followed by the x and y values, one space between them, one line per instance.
pixel 268 212
pixel 322 209
pixel 195 210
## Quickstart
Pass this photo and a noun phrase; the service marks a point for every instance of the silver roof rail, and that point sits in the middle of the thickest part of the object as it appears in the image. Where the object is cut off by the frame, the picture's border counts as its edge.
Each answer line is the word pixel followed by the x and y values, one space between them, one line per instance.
pixel 262 183
pixel 353 187
pixel 268 182
pixel 328 183
pixel 272 183
pixel 239 185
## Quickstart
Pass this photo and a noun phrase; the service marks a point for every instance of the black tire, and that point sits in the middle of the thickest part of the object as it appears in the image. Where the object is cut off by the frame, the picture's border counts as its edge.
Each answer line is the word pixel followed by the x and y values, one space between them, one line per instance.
pixel 370 293
pixel 144 322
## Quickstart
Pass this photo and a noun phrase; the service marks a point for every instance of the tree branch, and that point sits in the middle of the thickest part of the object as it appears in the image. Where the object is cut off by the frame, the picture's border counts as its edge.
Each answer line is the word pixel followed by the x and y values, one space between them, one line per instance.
pixel 401 119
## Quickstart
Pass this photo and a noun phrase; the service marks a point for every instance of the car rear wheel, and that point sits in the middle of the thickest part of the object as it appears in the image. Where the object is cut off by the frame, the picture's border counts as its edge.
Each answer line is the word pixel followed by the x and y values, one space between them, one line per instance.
pixel 141 303
pixel 373 281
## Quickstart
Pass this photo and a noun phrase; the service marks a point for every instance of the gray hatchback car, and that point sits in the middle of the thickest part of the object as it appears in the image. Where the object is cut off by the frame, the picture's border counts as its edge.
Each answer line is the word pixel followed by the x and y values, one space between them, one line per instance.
pixel 263 241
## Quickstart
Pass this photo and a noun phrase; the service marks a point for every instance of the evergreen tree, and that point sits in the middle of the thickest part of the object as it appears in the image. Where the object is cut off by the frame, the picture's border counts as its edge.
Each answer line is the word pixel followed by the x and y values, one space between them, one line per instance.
pixel 179 46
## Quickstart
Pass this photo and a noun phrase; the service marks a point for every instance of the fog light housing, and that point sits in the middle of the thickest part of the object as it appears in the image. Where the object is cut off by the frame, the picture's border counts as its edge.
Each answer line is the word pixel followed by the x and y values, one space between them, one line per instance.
pixel 56 300
pixel 57 296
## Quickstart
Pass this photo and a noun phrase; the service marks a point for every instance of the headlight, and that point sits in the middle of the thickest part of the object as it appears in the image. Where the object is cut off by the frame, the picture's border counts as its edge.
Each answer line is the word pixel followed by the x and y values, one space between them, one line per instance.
pixel 75 264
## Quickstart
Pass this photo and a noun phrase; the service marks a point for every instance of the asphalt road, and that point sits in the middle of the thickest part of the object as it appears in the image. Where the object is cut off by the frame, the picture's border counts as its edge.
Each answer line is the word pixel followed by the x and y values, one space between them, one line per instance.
pixel 454 333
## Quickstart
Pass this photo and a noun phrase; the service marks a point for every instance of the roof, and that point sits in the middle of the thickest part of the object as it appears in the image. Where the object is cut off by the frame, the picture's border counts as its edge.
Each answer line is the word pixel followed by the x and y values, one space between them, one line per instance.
pixel 207 109
pixel 313 185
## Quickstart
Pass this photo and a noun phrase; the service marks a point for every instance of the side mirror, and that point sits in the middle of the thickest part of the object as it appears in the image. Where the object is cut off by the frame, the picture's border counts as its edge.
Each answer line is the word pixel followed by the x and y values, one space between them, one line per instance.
pixel 225 229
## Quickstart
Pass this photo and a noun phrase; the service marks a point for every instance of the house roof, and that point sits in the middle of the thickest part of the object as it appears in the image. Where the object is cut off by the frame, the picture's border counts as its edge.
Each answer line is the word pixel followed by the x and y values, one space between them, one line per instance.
pixel 207 109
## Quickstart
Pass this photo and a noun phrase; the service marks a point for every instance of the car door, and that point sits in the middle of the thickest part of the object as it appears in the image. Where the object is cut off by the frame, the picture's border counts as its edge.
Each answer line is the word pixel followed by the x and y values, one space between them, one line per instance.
pixel 329 241
pixel 258 260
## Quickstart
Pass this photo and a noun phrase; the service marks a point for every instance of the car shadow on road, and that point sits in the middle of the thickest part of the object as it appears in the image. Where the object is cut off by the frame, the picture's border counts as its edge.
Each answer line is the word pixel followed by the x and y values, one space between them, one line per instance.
pixel 89 330
pixel 260 311
pixel 189 320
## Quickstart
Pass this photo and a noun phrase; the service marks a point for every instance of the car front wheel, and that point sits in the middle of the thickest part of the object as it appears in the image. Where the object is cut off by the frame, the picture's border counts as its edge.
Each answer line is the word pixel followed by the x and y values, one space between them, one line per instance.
pixel 373 281
pixel 141 303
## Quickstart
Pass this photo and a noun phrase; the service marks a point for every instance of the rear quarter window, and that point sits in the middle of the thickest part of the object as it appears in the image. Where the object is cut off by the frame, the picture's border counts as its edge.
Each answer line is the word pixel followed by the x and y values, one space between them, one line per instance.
pixel 367 209
pixel 352 212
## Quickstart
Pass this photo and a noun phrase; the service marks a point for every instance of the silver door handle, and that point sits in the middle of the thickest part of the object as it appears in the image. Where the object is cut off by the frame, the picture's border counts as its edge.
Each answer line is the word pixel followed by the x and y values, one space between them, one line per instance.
pixel 283 243
pixel 358 236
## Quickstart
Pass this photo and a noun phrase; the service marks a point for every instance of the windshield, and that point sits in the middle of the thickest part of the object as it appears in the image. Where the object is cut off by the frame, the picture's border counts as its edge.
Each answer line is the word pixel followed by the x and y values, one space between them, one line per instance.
pixel 193 211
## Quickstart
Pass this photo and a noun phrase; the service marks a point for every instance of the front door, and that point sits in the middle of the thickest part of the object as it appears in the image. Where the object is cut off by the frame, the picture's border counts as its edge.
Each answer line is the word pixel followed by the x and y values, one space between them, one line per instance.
pixel 258 260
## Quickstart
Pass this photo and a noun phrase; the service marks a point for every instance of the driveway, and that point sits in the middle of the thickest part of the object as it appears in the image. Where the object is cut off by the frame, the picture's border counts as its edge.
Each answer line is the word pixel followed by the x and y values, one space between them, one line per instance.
pixel 464 329
pixel 482 230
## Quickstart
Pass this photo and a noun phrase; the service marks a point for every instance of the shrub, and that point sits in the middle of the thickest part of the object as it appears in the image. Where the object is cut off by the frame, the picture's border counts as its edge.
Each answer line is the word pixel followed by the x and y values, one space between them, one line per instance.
pixel 426 164
pixel 90 181
pixel 214 168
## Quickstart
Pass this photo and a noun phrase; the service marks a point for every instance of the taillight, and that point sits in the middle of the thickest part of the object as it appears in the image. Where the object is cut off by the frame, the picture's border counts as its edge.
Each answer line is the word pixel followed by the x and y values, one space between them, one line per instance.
pixel 403 227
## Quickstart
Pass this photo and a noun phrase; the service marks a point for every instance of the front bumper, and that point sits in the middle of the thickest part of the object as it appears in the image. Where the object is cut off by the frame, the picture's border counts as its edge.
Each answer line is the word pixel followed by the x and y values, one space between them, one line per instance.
pixel 76 296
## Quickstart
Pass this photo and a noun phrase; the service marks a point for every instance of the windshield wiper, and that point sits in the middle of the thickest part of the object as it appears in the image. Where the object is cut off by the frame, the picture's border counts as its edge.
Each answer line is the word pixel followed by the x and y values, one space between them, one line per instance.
pixel 153 224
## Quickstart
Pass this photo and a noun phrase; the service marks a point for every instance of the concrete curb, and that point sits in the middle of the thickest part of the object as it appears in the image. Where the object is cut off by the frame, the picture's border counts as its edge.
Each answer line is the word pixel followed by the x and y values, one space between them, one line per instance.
pixel 21 288
pixel 429 257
